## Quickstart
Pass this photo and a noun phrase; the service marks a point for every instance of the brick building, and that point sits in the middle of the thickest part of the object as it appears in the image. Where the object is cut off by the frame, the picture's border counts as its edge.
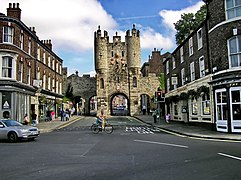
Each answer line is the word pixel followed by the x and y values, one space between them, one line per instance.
pixel 203 74
pixel 30 72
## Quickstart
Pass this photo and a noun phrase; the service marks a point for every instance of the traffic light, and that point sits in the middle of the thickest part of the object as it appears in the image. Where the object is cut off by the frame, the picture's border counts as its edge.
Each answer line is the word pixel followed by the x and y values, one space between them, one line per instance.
pixel 159 97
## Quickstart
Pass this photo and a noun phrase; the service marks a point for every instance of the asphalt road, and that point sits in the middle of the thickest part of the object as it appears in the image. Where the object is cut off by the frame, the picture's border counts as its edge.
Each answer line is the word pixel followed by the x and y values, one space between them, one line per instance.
pixel 133 151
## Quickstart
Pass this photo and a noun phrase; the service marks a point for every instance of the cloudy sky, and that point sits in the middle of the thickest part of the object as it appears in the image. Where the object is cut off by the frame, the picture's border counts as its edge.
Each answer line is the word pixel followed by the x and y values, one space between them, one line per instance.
pixel 70 24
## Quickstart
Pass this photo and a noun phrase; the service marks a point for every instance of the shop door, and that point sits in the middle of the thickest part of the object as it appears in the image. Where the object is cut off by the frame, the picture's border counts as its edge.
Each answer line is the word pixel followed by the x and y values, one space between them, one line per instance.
pixel 235 109
pixel 221 110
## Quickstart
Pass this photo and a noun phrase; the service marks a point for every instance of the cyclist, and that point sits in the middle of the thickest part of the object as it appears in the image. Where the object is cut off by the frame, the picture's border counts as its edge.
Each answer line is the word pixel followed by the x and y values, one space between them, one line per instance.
pixel 101 119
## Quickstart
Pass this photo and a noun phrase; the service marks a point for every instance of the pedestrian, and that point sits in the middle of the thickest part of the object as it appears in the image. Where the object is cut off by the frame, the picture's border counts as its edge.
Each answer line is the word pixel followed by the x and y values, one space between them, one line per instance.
pixel 26 119
pixel 34 118
pixel 168 117
pixel 62 115
pixel 144 109
pixel 67 114
pixel 154 114
pixel 52 115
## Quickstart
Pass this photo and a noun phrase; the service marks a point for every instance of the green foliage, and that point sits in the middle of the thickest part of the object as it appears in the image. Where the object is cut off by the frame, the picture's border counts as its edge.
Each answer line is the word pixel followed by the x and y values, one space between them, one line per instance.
pixel 188 23
pixel 162 81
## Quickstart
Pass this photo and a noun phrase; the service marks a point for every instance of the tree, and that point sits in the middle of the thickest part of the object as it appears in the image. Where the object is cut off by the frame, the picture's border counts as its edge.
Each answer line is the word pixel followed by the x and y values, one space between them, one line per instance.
pixel 188 23
pixel 162 81
pixel 69 92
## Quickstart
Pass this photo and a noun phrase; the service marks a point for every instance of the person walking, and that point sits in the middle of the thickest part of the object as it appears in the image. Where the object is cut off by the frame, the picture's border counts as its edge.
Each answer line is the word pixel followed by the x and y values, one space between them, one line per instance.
pixel 168 117
pixel 34 118
pixel 144 109
pixel 26 119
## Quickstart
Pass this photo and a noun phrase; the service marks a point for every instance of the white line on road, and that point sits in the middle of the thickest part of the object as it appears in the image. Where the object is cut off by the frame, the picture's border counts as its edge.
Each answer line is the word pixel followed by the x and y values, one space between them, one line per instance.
pixel 230 156
pixel 165 144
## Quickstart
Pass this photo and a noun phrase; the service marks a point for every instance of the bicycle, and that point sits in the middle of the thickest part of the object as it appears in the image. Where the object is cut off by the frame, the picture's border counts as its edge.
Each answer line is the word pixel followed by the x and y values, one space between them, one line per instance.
pixel 107 127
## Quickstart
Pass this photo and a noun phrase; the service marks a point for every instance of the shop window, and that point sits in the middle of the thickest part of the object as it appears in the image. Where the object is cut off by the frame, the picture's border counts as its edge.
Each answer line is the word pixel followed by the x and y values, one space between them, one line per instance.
pixel 194 106
pixel 221 105
pixel 206 104
pixel 236 104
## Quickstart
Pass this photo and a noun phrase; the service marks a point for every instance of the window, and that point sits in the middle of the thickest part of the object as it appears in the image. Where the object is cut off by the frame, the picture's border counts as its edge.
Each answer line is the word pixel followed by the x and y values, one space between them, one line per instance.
pixel 221 105
pixel 53 85
pixel 236 103
pixel 44 58
pixel 60 69
pixel 102 83
pixel 194 106
pixel 192 71
pixel 21 70
pixel 38 53
pixel 60 88
pixel 44 81
pixel 29 46
pixel 200 39
pixel 28 74
pixel 8 34
pixel 21 41
pixel 49 61
pixel 167 67
pixel 38 74
pixel 49 83
pixel 206 104
pixel 168 84
pixel 190 43
pixel 233 8
pixel 173 62
pixel 174 82
pixel 201 67
pixel 181 54
pixel 57 67
pixel 134 82
pixel 7 67
pixel 234 52
pixel 53 64
pixel 183 76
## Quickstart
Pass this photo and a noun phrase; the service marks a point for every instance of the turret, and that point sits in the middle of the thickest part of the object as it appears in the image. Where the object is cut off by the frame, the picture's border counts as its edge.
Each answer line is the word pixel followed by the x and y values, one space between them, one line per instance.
pixel 133 48
pixel 101 44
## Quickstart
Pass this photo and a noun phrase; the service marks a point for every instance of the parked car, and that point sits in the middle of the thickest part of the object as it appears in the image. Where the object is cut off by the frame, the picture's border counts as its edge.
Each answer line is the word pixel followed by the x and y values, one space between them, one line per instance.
pixel 13 131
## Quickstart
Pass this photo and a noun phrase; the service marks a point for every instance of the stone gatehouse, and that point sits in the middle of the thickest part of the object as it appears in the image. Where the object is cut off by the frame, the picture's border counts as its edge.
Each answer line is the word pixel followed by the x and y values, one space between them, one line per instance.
pixel 118 66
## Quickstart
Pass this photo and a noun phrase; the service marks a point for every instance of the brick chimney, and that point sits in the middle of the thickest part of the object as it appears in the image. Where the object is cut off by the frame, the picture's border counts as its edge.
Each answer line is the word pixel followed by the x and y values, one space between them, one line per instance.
pixel 48 44
pixel 14 11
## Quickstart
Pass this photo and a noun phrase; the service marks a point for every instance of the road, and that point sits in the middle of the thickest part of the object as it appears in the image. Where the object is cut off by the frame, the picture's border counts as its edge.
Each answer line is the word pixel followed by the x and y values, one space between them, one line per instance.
pixel 133 151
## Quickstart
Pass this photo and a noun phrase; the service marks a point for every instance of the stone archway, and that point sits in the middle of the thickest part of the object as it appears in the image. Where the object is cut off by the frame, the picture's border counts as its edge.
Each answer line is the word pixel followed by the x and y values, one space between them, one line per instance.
pixel 119 105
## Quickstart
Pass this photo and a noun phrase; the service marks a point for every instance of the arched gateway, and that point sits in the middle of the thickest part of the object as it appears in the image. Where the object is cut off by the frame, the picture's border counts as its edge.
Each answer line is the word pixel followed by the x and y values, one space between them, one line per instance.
pixel 117 66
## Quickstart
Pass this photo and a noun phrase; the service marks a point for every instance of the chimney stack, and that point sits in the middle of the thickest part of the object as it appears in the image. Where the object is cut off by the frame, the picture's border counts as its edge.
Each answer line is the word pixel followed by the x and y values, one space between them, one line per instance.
pixel 14 11
pixel 48 43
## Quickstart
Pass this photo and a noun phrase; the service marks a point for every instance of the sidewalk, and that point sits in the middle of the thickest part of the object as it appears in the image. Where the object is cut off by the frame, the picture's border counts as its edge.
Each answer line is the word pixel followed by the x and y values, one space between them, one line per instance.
pixel 189 130
pixel 49 126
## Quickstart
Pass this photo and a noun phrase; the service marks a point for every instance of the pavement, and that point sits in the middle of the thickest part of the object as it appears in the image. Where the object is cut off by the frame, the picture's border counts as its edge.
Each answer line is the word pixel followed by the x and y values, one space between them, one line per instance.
pixel 178 128
pixel 49 126
pixel 185 129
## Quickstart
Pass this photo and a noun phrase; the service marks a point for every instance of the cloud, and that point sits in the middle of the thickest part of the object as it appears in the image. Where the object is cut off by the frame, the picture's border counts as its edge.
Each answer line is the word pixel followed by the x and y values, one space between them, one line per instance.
pixel 70 24
pixel 170 16
pixel 151 39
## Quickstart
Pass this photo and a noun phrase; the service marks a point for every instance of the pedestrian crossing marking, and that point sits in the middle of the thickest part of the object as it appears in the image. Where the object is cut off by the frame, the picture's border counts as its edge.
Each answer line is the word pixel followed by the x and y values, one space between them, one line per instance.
pixel 140 130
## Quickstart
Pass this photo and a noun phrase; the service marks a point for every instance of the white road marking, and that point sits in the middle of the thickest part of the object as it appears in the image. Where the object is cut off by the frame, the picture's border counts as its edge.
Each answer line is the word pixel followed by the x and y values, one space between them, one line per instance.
pixel 165 144
pixel 230 156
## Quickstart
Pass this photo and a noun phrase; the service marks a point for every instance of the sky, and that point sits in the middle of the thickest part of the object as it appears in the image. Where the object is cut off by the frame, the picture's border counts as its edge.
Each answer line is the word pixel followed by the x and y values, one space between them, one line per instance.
pixel 70 24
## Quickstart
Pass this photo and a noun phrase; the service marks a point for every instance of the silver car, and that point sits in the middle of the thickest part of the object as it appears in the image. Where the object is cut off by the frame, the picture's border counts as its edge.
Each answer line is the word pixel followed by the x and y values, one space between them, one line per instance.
pixel 13 131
